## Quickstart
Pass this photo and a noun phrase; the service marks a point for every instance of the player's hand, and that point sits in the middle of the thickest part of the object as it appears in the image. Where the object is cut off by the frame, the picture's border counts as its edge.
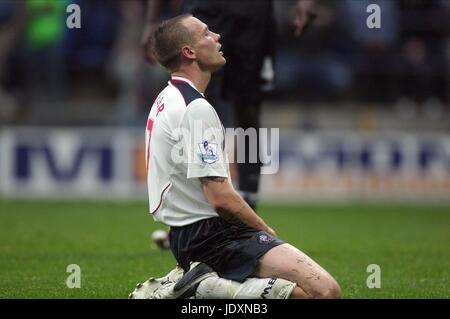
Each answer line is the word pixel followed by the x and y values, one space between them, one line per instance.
pixel 271 231
pixel 146 43
pixel 305 13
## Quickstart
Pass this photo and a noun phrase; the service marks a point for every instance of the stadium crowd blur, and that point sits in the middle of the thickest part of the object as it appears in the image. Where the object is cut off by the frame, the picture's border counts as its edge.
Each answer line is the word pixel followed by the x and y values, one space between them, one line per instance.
pixel 96 75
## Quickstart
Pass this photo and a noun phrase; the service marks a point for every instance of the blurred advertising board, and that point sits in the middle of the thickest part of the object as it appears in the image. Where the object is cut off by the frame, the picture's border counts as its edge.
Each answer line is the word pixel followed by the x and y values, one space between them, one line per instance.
pixel 79 162
pixel 347 165
pixel 315 166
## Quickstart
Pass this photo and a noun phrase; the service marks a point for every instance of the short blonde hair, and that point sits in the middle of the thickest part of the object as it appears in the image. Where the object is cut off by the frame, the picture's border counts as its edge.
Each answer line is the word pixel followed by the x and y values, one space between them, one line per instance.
pixel 168 39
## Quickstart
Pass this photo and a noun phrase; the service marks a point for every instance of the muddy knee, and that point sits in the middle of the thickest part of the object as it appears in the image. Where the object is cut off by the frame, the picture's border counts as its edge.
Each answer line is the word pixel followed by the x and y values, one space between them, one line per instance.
pixel 328 289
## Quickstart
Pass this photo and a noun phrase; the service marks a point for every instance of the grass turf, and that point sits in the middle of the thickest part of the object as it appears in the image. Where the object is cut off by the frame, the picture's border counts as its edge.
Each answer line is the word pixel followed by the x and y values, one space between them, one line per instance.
pixel 111 243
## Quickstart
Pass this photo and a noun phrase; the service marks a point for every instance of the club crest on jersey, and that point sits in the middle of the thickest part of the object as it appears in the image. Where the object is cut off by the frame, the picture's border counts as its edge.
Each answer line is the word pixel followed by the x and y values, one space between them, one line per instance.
pixel 208 152
pixel 265 238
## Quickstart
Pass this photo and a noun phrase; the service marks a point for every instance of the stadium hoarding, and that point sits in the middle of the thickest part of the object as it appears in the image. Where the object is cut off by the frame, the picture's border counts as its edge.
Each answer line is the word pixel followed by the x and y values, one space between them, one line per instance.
pixel 109 163
pixel 66 163
pixel 344 165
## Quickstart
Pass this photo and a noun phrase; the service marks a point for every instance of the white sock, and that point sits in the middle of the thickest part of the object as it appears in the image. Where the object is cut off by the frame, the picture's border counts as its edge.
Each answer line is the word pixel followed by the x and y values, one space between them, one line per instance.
pixel 251 288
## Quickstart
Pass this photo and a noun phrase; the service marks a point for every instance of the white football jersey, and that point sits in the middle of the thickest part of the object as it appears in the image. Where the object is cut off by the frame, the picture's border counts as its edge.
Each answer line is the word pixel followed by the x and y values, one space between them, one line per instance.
pixel 185 140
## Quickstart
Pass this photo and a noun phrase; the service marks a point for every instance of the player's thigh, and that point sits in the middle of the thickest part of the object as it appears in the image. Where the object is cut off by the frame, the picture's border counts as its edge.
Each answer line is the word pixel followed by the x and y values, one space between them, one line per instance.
pixel 287 262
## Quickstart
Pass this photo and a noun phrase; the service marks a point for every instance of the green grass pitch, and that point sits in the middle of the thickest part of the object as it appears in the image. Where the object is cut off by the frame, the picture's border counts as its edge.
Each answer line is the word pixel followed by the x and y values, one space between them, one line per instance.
pixel 111 243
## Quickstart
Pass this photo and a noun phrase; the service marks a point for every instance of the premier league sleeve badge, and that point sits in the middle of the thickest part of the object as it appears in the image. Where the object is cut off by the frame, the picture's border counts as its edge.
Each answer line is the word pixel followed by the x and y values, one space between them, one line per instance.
pixel 208 152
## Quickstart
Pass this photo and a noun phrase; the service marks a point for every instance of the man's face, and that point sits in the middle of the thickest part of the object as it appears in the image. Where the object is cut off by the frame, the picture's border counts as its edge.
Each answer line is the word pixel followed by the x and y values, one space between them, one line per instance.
pixel 206 45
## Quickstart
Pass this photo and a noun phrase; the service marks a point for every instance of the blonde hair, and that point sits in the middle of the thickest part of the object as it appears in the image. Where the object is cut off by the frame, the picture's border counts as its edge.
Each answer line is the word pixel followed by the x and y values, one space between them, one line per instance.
pixel 168 39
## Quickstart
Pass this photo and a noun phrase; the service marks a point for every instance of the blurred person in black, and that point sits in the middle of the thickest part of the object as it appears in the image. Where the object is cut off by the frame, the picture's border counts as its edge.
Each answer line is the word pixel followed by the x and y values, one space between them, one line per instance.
pixel 247 28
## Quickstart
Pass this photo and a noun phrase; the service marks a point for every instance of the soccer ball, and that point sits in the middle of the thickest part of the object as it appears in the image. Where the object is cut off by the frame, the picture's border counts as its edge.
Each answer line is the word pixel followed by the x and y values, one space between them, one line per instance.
pixel 161 239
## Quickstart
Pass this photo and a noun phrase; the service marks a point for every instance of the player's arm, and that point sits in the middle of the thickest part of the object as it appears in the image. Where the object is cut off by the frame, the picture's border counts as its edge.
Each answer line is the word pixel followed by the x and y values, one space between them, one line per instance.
pixel 229 204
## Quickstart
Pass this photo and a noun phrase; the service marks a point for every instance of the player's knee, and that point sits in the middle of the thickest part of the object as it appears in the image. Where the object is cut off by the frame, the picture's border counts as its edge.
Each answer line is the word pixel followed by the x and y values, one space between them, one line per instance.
pixel 336 291
pixel 321 287
pixel 329 290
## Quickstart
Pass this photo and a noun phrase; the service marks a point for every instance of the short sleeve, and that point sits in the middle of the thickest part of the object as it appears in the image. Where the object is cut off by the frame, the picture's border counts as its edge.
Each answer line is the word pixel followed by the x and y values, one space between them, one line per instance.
pixel 204 141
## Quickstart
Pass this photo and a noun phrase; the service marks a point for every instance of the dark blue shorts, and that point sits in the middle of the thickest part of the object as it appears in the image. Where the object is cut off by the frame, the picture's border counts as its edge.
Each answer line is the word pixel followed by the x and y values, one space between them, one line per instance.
pixel 233 251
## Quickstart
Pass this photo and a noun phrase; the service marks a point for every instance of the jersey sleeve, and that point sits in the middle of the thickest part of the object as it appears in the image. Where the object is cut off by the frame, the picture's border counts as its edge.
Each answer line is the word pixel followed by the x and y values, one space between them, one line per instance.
pixel 204 141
